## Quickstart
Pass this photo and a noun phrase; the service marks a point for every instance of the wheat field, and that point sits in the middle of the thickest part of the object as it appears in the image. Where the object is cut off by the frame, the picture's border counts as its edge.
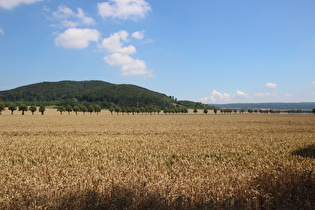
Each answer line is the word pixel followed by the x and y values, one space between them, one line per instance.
pixel 235 161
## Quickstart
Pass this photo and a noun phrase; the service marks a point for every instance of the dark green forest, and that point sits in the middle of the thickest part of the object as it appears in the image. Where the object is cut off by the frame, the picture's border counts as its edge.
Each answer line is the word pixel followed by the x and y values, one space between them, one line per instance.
pixel 105 94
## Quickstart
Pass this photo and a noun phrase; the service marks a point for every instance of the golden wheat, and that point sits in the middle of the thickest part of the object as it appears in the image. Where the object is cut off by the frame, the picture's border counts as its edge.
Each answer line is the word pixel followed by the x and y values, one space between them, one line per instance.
pixel 156 161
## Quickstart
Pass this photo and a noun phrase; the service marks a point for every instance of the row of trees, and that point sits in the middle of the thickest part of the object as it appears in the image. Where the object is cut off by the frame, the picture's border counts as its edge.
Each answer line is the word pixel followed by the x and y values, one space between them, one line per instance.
pixel 147 109
pixel 22 107
pixel 90 108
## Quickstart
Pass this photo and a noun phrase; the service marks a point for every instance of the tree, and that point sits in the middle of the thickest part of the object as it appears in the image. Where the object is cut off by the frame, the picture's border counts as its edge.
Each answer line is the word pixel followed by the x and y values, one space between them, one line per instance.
pixel 60 109
pixel 76 109
pixel 313 110
pixel 23 108
pixel 117 109
pixel 83 109
pixel 235 111
pixel 158 110
pixel 142 109
pixel 123 110
pixel 215 111
pixel 90 108
pixel 250 110
pixel 97 109
pixel 195 111
pixel 69 109
pixel 12 108
pixel 33 109
pixel 111 109
pixel 2 107
pixel 205 111
pixel 42 109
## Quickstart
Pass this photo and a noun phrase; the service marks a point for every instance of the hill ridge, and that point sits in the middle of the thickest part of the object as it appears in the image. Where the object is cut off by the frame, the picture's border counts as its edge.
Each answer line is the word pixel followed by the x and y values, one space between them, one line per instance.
pixel 91 91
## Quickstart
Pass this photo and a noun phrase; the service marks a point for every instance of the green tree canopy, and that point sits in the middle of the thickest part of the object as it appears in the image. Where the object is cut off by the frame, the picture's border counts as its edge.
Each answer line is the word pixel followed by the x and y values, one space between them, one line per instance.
pixel 12 108
pixel 69 108
pixel 97 109
pixel 83 109
pixel 76 109
pixel 61 109
pixel 90 108
pixel 117 109
pixel 23 108
pixel 42 109
pixel 33 109
pixel 111 109
pixel 2 107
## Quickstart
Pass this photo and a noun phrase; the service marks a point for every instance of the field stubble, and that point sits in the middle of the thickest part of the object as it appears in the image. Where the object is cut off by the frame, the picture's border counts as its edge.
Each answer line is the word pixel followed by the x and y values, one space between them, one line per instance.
pixel 156 161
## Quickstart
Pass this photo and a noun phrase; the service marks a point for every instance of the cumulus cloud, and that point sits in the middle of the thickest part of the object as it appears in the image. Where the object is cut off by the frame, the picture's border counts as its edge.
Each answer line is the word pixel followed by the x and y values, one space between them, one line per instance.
pixel 77 38
pixel 271 85
pixel 120 55
pixel 1 31
pixel 138 35
pixel 129 65
pixel 124 9
pixel 217 96
pixel 71 19
pixel 114 43
pixel 10 4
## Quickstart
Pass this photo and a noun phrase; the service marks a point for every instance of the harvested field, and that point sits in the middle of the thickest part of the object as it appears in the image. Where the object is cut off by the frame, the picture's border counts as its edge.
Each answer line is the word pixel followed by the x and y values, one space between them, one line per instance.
pixel 108 161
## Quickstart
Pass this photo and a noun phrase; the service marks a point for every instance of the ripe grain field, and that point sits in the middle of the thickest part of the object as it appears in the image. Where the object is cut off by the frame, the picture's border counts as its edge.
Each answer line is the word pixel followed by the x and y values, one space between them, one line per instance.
pixel 254 161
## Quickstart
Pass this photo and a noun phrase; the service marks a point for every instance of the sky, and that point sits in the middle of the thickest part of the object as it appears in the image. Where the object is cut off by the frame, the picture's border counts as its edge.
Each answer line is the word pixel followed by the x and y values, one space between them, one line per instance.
pixel 210 51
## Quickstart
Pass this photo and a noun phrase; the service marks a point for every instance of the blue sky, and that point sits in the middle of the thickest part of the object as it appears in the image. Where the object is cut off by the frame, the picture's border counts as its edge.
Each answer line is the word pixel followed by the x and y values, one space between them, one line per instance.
pixel 226 51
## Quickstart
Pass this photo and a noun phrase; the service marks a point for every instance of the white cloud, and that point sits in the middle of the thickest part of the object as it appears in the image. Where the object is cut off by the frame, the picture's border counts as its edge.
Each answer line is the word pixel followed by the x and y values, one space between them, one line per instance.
pixel 10 4
pixel 77 38
pixel 313 83
pixel 1 31
pixel 264 94
pixel 70 19
pixel 124 9
pixel 138 35
pixel 85 20
pixel 219 97
pixel 129 65
pixel 63 12
pixel 241 93
pixel 114 43
pixel 270 85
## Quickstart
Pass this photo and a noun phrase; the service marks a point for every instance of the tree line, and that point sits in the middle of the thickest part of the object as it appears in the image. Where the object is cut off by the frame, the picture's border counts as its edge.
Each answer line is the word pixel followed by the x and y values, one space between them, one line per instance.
pixel 95 108
pixel 23 108
pixel 151 109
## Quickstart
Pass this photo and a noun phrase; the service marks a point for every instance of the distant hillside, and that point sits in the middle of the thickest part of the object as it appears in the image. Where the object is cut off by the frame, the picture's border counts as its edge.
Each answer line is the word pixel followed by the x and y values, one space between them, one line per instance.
pixel 84 92
pixel 278 106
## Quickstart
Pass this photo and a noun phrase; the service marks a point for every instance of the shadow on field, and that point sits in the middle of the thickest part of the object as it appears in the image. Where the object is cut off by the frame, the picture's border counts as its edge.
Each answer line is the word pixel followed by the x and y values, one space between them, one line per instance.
pixel 285 189
pixel 279 189
pixel 305 152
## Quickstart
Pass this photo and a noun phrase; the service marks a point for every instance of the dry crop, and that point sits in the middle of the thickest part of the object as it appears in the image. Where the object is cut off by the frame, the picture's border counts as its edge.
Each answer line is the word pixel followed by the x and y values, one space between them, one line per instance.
pixel 157 161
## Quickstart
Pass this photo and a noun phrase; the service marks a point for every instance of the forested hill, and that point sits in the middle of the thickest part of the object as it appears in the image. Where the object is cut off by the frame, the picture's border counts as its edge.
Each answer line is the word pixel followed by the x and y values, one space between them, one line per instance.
pixel 81 92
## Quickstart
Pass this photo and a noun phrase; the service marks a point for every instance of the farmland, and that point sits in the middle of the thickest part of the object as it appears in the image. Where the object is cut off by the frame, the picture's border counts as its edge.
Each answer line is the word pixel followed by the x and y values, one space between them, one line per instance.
pixel 157 161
